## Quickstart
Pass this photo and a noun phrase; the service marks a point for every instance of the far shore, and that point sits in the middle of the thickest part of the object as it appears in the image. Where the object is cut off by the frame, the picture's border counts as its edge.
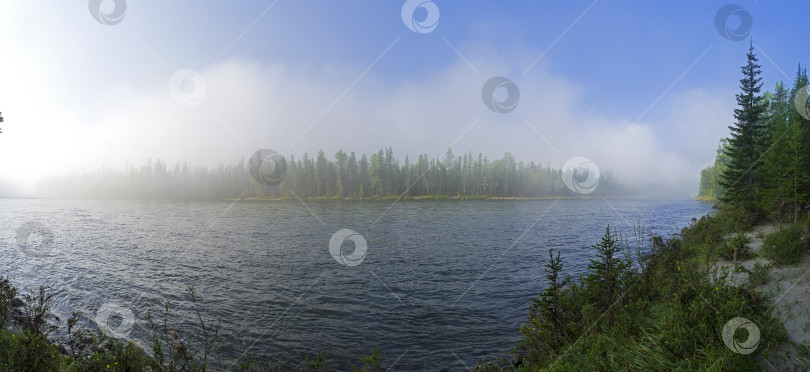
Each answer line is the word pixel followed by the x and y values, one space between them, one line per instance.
pixel 455 197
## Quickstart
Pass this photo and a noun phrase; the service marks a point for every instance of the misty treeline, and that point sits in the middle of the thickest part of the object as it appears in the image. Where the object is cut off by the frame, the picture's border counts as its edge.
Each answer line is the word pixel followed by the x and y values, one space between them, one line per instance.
pixel 764 166
pixel 343 176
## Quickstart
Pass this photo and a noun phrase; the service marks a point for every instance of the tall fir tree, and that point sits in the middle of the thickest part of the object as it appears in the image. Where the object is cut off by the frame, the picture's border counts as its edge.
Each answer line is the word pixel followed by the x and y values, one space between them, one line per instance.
pixel 748 141
pixel 608 272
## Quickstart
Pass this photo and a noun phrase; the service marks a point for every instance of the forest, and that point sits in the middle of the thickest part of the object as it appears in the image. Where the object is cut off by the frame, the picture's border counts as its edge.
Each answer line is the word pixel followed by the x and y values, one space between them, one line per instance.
pixel 764 167
pixel 346 175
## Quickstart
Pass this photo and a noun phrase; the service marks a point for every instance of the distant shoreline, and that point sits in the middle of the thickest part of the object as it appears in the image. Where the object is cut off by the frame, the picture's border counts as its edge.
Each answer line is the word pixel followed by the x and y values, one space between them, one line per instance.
pixel 476 197
pixel 384 198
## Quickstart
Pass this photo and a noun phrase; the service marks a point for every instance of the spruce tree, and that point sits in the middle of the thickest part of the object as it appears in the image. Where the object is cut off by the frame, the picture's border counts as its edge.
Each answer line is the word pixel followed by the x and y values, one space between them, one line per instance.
pixel 551 299
pixel 748 141
pixel 607 271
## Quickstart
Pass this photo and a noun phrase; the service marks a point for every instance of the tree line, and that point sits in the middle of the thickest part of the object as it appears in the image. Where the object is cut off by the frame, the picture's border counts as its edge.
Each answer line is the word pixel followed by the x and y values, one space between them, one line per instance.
pixel 346 175
pixel 764 166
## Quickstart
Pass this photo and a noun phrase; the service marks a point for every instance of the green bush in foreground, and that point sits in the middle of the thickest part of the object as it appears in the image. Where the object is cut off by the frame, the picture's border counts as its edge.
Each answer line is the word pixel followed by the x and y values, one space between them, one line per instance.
pixel 25 351
pixel 785 246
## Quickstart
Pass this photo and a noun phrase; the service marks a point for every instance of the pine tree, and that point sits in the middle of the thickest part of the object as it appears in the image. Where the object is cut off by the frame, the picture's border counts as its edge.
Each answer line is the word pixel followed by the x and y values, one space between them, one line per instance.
pixel 748 141
pixel 607 271
pixel 550 302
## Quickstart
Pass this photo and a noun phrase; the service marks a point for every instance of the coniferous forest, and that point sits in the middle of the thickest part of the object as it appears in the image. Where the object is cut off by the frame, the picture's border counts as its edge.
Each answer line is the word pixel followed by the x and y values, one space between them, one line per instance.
pixel 346 175
pixel 764 167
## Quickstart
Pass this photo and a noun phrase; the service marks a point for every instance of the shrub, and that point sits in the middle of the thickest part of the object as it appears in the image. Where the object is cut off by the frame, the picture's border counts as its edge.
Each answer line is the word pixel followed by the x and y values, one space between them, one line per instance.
pixel 370 362
pixel 35 315
pixel 734 219
pixel 713 229
pixel 785 246
pixel 7 293
pixel 736 248
pixel 759 273
pixel 26 351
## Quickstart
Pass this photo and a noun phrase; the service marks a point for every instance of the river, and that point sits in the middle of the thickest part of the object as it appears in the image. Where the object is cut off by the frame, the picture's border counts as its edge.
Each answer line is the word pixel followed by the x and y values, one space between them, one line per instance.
pixel 441 284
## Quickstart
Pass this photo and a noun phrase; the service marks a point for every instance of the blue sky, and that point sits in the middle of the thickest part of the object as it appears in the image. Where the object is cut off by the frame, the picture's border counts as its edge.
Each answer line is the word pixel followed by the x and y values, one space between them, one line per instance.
pixel 644 88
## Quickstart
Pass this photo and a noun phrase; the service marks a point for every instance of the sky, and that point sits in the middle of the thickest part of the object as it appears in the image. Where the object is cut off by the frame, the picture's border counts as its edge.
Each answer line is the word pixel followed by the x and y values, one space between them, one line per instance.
pixel 644 89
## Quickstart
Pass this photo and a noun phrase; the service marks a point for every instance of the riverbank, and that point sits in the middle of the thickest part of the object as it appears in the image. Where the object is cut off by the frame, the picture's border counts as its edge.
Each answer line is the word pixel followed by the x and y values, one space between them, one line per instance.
pixel 787 285
pixel 679 305
pixel 440 197
pixel 707 199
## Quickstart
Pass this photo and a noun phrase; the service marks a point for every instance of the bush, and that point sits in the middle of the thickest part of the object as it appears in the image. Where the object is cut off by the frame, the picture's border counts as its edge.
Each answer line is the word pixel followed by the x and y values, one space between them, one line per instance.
pixel 759 273
pixel 785 246
pixel 35 315
pixel 734 219
pixel 26 351
pixel 712 230
pixel 7 293
pixel 736 249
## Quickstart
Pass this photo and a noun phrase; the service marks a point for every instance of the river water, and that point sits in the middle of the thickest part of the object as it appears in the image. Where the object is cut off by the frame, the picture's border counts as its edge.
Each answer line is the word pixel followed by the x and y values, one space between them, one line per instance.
pixel 442 284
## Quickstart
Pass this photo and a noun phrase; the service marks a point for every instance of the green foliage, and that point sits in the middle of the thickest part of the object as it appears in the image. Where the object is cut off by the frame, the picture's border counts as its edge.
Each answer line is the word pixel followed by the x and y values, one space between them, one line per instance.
pixel 786 246
pixel 550 313
pixel 78 341
pixel 35 315
pixel 608 273
pixel 711 231
pixel 748 142
pixel 371 362
pixel 316 365
pixel 112 354
pixel 759 273
pixel 709 187
pixel 736 249
pixel 767 158
pixel 7 293
pixel 26 351
pixel 786 182
pixel 251 365
pixel 670 316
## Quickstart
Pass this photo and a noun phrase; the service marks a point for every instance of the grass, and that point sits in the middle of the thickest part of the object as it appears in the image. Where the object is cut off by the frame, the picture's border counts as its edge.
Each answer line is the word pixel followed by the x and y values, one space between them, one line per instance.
pixel 786 246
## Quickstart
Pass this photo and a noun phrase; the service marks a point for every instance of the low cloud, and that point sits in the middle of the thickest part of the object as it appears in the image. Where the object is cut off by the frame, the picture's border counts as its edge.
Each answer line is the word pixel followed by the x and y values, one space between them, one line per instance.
pixel 249 105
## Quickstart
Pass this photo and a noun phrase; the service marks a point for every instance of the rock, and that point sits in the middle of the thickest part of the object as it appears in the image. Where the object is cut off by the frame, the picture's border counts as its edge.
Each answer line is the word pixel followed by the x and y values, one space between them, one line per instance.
pixel 517 358
pixel 17 302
